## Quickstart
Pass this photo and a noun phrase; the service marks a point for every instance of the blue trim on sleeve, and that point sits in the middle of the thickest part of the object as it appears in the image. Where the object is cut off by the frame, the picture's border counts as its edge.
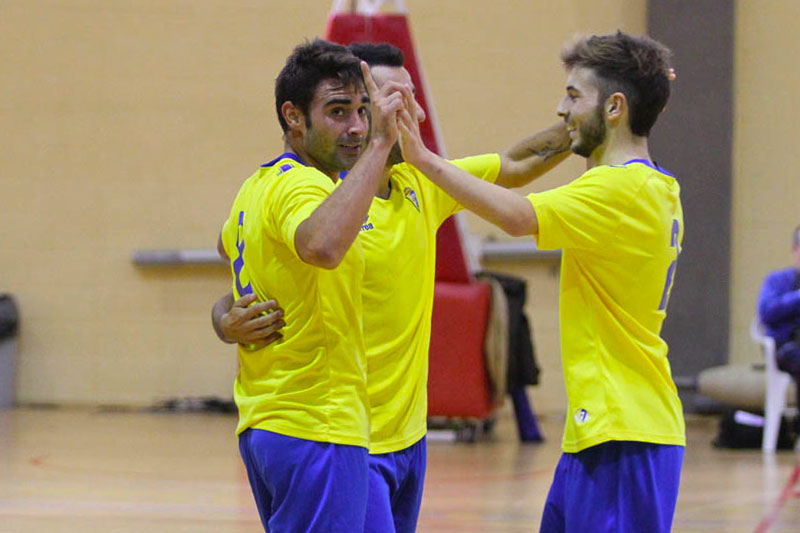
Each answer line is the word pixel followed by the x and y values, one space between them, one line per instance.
pixel 652 165
pixel 286 155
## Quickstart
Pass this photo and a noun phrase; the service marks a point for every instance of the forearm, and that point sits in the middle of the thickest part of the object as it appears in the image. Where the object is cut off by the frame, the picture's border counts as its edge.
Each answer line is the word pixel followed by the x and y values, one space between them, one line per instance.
pixel 221 307
pixel 324 237
pixel 511 212
pixel 775 307
pixel 533 156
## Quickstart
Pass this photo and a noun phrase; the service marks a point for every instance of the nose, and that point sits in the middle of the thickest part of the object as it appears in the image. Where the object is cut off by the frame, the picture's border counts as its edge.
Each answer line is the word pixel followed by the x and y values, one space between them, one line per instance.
pixel 561 110
pixel 359 124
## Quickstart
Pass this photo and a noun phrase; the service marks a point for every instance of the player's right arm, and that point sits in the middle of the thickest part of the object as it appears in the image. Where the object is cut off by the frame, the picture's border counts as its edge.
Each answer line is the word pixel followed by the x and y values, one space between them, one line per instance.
pixel 325 236
pixel 511 212
pixel 245 322
pixel 534 155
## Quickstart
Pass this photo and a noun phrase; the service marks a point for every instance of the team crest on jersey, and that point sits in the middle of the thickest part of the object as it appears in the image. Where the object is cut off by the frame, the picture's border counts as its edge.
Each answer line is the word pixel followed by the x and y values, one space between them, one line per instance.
pixel 582 416
pixel 367 225
pixel 411 196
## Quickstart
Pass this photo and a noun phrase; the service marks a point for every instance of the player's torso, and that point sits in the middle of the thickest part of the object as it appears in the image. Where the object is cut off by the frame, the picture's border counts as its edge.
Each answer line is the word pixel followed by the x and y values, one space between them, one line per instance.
pixel 398 239
pixel 612 305
pixel 312 384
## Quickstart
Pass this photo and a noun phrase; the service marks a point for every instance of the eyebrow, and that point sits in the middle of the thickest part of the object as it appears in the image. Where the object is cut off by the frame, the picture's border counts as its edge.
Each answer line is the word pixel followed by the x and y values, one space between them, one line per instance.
pixel 338 101
pixel 345 101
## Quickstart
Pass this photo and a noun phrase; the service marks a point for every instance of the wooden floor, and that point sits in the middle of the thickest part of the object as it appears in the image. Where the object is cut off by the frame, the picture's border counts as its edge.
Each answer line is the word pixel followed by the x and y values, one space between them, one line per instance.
pixel 69 470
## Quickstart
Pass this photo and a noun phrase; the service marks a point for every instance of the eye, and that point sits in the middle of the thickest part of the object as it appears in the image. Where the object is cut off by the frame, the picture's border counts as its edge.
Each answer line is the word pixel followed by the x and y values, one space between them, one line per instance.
pixel 362 111
pixel 337 111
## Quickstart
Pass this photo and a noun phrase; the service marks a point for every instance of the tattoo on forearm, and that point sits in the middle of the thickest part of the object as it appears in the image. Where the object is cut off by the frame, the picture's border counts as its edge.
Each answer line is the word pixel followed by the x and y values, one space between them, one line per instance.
pixel 550 149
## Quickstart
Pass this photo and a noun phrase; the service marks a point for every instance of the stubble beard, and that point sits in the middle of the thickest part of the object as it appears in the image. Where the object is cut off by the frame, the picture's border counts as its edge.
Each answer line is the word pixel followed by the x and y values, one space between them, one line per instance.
pixel 592 134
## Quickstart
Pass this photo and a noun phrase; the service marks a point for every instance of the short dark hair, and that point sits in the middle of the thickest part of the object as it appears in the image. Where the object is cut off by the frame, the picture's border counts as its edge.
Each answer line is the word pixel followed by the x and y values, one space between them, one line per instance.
pixel 796 237
pixel 380 54
pixel 638 67
pixel 309 64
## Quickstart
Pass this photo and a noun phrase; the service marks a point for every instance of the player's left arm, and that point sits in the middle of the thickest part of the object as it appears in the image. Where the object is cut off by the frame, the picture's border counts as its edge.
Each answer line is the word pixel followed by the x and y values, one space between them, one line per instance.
pixel 221 249
pixel 533 156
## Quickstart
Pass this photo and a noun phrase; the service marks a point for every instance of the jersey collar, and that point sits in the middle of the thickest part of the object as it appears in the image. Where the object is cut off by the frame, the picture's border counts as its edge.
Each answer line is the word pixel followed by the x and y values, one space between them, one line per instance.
pixel 652 165
pixel 286 155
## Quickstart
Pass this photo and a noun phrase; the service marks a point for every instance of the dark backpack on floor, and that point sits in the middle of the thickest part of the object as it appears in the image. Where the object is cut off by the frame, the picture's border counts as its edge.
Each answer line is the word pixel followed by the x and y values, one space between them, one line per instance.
pixel 736 434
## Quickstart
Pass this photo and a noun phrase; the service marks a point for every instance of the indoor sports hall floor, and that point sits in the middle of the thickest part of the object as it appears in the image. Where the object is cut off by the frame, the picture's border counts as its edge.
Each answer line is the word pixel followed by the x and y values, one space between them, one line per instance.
pixel 71 470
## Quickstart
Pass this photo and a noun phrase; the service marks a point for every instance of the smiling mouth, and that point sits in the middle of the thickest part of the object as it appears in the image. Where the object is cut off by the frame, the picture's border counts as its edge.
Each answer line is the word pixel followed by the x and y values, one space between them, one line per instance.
pixel 572 130
pixel 350 147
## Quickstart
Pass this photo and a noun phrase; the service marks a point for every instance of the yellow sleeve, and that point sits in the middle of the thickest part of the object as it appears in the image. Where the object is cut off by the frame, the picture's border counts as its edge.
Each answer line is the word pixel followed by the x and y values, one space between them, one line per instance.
pixel 485 167
pixel 584 214
pixel 225 229
pixel 296 195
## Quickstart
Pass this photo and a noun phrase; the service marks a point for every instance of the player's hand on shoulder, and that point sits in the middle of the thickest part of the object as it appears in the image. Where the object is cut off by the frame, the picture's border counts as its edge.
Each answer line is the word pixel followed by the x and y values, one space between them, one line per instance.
pixel 256 324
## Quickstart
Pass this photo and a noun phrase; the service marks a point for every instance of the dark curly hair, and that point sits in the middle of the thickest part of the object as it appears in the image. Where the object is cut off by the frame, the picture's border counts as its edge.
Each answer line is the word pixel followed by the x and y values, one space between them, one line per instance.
pixel 308 65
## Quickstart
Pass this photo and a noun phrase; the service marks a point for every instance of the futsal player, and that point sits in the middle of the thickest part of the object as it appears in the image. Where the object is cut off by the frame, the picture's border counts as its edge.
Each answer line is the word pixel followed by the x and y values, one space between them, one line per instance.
pixel 620 226
pixel 291 234
pixel 398 239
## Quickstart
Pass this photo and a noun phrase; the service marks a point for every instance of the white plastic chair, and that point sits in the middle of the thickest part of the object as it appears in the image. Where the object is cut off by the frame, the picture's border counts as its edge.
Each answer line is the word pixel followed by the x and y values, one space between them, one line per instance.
pixel 777 385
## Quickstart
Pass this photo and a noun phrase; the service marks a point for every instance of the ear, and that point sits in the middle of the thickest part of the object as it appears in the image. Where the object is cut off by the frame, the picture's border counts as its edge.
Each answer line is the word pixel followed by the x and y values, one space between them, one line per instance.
pixel 616 107
pixel 293 116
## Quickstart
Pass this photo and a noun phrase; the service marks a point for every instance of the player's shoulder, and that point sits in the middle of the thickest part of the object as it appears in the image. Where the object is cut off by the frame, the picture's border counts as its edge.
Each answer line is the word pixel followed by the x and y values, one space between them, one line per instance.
pixel 407 175
pixel 637 170
pixel 783 274
pixel 287 170
pixel 631 175
pixel 284 163
pixel 478 163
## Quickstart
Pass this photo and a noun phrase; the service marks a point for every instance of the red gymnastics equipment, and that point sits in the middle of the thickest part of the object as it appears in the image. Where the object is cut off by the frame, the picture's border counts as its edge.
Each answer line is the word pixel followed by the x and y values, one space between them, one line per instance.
pixel 457 383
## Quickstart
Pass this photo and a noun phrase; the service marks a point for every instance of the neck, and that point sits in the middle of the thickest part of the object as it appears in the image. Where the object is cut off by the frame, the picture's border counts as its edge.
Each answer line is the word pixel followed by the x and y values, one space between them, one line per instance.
pixel 618 148
pixel 297 149
pixel 385 189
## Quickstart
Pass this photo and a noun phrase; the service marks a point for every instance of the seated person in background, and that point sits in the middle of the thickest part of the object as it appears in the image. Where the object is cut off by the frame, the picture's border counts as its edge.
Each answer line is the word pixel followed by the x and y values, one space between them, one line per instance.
pixel 779 311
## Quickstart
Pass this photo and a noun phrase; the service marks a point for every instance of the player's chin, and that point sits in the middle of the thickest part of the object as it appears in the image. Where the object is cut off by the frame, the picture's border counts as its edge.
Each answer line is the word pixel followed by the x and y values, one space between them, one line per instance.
pixel 579 148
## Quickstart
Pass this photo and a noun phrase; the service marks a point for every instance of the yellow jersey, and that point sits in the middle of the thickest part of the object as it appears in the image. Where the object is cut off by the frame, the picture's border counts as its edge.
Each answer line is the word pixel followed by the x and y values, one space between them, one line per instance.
pixel 620 228
pixel 399 243
pixel 312 384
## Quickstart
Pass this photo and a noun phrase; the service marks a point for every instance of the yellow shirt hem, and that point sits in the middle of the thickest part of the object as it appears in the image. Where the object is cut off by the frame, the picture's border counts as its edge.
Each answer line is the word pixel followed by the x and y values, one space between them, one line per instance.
pixel 389 446
pixel 670 440
pixel 299 433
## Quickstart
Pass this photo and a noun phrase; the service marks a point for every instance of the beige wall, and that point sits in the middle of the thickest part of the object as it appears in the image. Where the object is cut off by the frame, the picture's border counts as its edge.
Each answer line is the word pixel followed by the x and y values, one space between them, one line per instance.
pixel 130 124
pixel 766 185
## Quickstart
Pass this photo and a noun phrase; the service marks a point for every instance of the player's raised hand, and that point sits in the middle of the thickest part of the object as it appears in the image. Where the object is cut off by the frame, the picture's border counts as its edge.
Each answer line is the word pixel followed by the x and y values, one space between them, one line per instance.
pixel 252 323
pixel 384 106
pixel 411 143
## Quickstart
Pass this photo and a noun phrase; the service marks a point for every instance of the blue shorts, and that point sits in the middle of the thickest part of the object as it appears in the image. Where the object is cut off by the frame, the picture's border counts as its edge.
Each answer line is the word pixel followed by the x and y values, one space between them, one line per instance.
pixel 614 486
pixel 395 489
pixel 304 486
